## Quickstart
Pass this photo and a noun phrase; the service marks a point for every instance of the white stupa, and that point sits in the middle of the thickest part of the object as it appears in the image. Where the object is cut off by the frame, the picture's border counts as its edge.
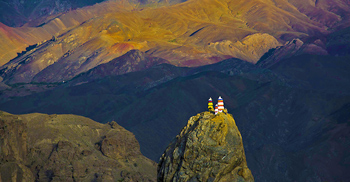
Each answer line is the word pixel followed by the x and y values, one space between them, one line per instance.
pixel 220 104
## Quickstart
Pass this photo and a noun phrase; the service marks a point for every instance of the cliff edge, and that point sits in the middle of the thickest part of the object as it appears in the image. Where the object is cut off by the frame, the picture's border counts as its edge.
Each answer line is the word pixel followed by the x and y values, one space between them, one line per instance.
pixel 209 148
pixel 41 147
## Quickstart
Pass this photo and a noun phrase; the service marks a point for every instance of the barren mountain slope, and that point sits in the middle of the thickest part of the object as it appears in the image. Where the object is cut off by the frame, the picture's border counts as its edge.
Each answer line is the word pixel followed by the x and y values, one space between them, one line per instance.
pixel 15 40
pixel 192 33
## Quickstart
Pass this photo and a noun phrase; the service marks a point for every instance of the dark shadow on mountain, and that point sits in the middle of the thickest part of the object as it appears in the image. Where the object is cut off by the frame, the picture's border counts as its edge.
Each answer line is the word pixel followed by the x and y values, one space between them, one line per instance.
pixel 293 117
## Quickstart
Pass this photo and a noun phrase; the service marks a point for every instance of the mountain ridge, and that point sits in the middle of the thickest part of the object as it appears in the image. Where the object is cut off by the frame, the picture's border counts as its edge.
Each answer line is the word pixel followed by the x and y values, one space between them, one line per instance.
pixel 67 148
pixel 195 37
pixel 267 106
pixel 292 106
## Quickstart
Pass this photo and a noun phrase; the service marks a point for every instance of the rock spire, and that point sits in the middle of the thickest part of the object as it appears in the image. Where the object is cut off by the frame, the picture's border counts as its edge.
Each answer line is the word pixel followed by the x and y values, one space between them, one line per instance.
pixel 209 148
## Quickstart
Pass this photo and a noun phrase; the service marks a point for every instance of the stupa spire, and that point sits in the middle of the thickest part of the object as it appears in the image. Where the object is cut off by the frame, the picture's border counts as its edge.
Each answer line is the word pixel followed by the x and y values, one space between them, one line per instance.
pixel 210 104
pixel 220 104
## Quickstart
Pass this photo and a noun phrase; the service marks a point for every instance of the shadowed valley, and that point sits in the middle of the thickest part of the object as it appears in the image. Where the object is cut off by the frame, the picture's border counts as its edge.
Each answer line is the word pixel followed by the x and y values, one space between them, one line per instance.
pixel 285 117
pixel 282 68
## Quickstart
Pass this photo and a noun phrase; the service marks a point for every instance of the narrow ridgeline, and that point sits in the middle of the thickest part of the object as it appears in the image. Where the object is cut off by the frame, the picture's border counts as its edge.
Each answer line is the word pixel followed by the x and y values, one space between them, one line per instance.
pixel 209 148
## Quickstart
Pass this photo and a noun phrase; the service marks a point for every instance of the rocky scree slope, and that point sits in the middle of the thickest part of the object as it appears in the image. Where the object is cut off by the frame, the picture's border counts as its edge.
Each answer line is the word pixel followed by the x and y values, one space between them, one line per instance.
pixel 209 148
pixel 40 147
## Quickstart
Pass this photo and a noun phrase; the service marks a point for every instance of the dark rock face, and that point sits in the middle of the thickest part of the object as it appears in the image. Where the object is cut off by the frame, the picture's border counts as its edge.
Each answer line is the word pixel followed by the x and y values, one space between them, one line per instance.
pixel 13 171
pixel 69 148
pixel 14 136
pixel 114 146
pixel 13 150
pixel 209 148
pixel 339 42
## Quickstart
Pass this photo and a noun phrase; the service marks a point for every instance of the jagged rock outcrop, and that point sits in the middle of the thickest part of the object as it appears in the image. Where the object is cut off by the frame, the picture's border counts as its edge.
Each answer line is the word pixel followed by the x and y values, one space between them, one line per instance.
pixel 209 148
pixel 40 147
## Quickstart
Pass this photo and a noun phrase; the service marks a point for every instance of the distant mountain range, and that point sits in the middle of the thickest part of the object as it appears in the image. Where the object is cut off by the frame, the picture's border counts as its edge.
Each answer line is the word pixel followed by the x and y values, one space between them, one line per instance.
pixel 287 113
pixel 282 68
pixel 192 33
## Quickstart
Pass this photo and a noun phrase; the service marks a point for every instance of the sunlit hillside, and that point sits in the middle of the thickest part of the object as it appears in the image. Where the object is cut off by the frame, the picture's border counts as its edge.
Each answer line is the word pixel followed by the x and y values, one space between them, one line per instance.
pixel 192 33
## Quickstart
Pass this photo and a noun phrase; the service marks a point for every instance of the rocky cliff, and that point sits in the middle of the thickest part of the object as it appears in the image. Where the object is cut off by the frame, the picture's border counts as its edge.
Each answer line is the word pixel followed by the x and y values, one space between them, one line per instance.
pixel 209 148
pixel 40 147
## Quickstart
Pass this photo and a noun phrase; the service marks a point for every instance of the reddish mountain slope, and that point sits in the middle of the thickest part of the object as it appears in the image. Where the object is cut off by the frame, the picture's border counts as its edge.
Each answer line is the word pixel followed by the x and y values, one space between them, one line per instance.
pixel 15 40
pixel 192 33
